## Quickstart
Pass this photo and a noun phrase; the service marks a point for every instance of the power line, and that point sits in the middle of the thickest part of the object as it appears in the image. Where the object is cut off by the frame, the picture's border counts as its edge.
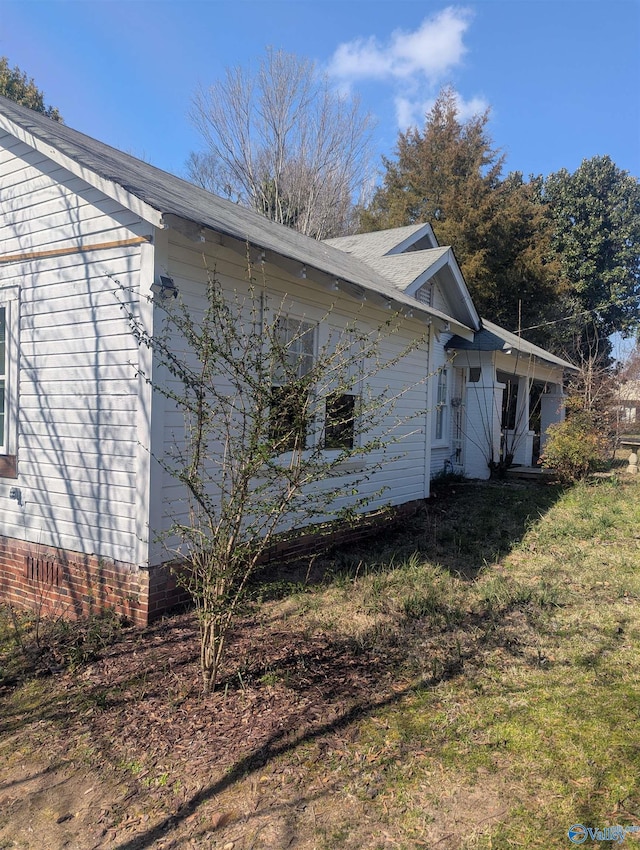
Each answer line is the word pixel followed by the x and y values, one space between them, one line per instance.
pixel 583 313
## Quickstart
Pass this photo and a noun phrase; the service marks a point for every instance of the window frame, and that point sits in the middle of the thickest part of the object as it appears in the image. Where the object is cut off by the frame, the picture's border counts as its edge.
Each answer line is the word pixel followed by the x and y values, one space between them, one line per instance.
pixel 8 438
pixel 305 361
pixel 441 407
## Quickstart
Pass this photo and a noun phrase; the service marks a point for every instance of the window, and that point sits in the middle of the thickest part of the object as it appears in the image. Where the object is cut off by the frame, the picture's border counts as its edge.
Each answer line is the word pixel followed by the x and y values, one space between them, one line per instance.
pixel 339 421
pixel 8 383
pixel 3 378
pixel 441 405
pixel 294 352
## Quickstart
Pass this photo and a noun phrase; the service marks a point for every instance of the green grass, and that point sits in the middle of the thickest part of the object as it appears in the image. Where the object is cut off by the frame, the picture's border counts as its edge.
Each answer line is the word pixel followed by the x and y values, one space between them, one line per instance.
pixel 514 618
pixel 547 703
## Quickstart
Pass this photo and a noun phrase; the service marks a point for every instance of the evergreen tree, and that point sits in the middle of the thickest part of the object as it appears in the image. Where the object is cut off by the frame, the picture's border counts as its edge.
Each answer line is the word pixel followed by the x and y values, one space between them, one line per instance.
pixel 596 242
pixel 15 85
pixel 451 176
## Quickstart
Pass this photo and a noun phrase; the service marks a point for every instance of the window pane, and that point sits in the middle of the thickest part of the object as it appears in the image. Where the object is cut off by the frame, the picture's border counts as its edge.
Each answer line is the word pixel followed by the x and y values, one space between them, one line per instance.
pixel 3 340
pixel 441 403
pixel 297 341
pixel 287 418
pixel 1 412
pixel 339 424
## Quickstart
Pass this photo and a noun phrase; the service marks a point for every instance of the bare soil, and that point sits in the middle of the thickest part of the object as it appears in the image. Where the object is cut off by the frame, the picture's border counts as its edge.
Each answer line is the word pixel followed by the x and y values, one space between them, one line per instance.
pixel 125 753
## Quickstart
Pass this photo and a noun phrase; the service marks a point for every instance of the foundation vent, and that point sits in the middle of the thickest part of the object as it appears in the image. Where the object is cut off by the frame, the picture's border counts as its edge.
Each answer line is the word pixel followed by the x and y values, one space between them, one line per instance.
pixel 42 571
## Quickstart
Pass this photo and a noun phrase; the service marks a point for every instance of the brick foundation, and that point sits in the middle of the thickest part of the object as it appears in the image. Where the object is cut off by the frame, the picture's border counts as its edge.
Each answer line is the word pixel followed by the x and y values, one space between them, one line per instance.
pixel 60 583
pixel 68 584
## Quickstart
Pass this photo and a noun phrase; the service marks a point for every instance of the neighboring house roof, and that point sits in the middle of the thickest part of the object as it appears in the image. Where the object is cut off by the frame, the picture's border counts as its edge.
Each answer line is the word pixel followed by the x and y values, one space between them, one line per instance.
pixel 412 237
pixel 494 338
pixel 162 195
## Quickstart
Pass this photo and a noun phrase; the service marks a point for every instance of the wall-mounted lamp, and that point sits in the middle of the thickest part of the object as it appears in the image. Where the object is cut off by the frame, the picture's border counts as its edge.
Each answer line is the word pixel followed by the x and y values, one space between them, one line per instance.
pixel 336 285
pixel 303 272
pixel 165 288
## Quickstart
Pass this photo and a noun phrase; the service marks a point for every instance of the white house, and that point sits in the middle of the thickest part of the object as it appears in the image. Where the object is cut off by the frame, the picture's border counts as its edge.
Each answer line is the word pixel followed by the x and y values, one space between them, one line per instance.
pixel 494 395
pixel 81 497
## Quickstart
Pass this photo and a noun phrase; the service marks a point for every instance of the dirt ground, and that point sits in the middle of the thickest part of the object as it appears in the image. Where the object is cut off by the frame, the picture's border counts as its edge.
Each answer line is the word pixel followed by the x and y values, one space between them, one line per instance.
pixel 125 752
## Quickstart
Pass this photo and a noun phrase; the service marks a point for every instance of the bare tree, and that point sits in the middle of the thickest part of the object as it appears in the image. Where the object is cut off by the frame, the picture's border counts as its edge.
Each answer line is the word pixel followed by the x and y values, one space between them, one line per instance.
pixel 280 431
pixel 282 142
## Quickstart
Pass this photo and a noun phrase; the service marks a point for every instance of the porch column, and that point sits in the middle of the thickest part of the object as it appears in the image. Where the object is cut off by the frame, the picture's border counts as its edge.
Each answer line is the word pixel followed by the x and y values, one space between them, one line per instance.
pixel 483 420
pixel 523 439
pixel 552 410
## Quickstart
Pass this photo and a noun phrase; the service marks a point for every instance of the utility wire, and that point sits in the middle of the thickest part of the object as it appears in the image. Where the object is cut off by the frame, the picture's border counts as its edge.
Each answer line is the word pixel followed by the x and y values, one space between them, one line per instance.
pixel 583 313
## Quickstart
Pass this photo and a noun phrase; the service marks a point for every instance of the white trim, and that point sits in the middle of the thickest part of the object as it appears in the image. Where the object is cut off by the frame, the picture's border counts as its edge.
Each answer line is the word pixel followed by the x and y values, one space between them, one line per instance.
pixel 147 415
pixel 416 236
pixel 108 187
pixel 10 300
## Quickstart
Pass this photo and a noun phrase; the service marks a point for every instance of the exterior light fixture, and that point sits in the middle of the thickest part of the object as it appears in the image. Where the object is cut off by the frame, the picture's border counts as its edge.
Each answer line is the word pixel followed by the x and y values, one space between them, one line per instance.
pixel 165 288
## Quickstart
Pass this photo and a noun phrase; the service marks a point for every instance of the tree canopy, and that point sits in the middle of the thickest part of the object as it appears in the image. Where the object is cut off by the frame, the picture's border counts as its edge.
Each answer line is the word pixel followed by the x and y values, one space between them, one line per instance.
pixel 595 215
pixel 557 257
pixel 15 85
pixel 282 142
pixel 450 175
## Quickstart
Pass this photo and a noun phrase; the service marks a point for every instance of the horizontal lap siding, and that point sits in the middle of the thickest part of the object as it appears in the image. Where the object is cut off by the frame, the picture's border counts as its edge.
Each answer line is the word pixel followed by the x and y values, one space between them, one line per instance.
pixel 403 477
pixel 77 438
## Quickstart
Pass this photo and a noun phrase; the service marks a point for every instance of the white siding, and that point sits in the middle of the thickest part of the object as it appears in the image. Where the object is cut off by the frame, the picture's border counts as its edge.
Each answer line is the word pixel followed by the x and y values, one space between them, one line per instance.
pixel 77 419
pixel 404 477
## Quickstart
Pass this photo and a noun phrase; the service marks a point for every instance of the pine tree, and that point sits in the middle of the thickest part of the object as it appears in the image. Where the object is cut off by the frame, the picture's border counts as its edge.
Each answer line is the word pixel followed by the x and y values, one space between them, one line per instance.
pixel 15 85
pixel 450 175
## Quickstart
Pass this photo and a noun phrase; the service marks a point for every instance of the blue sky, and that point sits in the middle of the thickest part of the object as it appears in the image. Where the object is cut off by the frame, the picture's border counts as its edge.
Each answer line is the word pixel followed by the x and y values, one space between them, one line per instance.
pixel 562 77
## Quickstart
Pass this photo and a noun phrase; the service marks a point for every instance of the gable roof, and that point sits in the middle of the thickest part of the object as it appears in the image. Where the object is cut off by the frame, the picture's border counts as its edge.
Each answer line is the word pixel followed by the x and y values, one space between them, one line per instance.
pixel 399 256
pixel 160 197
pixel 403 270
pixel 494 338
pixel 381 242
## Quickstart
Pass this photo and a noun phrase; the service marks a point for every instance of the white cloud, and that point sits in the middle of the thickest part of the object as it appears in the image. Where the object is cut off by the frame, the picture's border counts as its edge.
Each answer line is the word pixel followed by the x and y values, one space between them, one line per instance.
pixel 431 51
pixel 411 113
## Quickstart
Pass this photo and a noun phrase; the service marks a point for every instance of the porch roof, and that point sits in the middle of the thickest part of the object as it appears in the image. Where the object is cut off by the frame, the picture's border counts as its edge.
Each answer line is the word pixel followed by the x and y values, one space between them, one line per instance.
pixel 494 338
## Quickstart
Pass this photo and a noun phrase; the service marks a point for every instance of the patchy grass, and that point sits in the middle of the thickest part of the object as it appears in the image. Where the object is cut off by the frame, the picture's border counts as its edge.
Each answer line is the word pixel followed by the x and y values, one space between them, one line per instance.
pixel 470 682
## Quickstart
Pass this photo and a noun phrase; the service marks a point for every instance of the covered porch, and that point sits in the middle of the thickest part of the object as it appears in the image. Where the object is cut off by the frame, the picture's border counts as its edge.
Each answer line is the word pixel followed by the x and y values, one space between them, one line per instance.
pixel 514 392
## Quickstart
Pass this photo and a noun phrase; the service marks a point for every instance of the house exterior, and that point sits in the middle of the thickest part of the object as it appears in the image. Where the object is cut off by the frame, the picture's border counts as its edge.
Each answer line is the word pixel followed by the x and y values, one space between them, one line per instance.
pixel 83 497
pixel 628 398
pixel 493 395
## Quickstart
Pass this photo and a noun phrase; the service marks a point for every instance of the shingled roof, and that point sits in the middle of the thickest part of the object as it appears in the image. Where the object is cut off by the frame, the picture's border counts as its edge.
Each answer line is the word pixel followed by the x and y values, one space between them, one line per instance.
pixel 494 338
pixel 164 194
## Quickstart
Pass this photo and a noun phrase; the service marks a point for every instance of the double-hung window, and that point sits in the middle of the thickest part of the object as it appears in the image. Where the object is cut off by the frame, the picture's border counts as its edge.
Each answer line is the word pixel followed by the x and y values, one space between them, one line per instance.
pixel 8 418
pixel 441 405
pixel 294 352
pixel 295 409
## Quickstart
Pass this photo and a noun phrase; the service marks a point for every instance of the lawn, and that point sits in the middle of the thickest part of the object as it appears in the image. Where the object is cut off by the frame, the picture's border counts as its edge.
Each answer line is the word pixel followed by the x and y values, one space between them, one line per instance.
pixel 471 681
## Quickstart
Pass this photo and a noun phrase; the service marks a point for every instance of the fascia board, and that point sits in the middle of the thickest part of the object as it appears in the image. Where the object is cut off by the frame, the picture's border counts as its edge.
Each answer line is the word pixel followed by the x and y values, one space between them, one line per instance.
pixel 401 247
pixel 108 187
pixel 448 259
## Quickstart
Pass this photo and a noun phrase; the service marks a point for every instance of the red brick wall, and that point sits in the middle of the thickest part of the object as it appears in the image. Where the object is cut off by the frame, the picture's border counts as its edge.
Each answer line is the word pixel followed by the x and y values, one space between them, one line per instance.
pixel 68 584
